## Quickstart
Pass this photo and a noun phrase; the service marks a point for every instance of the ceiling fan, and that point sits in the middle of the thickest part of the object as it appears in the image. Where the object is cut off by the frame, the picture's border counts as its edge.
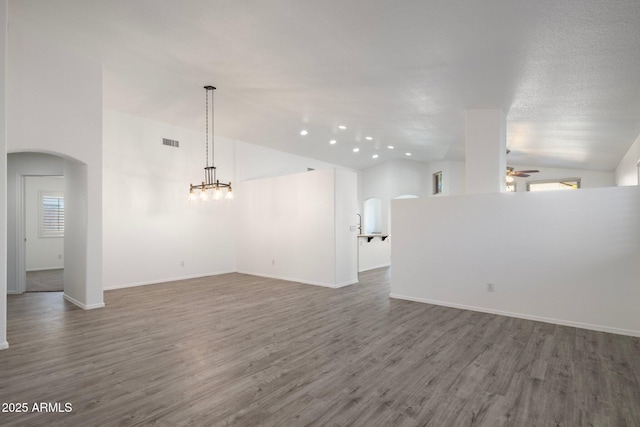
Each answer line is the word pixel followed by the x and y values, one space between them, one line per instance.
pixel 511 172
pixel 520 174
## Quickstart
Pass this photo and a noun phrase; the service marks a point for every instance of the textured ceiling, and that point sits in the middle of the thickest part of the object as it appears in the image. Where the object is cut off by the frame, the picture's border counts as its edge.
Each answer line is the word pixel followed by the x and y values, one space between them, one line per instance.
pixel 566 73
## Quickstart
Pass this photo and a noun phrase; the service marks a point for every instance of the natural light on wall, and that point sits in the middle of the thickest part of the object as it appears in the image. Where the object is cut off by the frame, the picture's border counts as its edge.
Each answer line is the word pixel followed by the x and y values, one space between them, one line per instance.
pixel 565 184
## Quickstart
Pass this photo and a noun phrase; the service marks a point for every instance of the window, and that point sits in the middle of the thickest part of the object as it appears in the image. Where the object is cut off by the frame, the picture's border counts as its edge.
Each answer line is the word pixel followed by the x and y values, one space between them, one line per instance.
pixel 554 184
pixel 437 182
pixel 51 214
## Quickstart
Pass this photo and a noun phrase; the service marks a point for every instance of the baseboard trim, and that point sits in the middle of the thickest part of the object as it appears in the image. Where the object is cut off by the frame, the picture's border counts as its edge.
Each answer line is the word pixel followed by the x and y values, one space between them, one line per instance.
pixel 296 280
pixel 197 276
pixel 375 267
pixel 563 322
pixel 347 283
pixel 159 281
pixel 44 269
pixel 4 345
pixel 81 305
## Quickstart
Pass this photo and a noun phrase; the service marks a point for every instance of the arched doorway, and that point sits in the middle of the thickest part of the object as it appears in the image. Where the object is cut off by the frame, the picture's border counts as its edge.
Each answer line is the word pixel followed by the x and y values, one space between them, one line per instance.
pixel 372 216
pixel 22 164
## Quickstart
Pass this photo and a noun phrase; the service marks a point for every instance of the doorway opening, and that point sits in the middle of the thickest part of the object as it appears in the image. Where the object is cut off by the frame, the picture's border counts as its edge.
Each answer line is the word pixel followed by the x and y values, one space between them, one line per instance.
pixel 43 202
pixel 36 189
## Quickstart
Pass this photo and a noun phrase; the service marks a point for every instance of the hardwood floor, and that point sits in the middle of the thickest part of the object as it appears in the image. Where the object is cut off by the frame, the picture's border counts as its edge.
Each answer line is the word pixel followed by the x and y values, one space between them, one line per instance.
pixel 243 350
pixel 45 280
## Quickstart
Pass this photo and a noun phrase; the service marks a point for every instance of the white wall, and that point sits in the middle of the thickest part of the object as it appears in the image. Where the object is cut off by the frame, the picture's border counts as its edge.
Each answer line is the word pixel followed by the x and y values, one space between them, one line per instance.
pixel 3 175
pixel 485 148
pixel 388 181
pixel 392 179
pixel 62 114
pixel 629 167
pixel 588 178
pixel 42 253
pixel 287 228
pixel 76 241
pixel 152 233
pixel 376 183
pixel 373 254
pixel 254 161
pixel 345 220
pixel 406 177
pixel 453 178
pixel 563 257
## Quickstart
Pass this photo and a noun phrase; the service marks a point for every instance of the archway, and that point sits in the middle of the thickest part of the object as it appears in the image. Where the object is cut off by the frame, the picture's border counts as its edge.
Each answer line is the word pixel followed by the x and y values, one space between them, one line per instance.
pixel 76 284
pixel 372 216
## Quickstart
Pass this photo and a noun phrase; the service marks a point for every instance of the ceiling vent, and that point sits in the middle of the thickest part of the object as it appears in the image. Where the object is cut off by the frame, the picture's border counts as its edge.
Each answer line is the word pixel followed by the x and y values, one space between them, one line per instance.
pixel 170 142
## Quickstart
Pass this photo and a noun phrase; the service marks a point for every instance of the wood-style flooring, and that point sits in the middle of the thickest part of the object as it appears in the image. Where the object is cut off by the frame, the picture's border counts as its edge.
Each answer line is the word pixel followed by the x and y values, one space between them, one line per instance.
pixel 45 280
pixel 247 351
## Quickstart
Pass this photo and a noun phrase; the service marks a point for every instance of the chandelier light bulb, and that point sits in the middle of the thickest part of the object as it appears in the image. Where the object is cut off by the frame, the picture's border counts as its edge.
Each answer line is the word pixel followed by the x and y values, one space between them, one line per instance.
pixel 203 195
pixel 229 195
pixel 217 194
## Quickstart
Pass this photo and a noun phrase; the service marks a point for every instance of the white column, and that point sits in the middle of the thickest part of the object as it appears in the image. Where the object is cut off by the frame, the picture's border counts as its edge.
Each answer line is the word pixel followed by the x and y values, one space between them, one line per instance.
pixel 486 151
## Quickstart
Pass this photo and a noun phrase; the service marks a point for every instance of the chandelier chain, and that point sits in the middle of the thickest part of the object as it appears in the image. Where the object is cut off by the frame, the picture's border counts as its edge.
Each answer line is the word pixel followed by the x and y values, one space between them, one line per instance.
pixel 206 120
pixel 213 146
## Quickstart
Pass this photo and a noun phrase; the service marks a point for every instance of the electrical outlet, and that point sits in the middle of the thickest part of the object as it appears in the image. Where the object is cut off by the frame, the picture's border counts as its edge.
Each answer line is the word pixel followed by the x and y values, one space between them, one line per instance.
pixel 59 256
pixel 273 262
pixel 181 263
pixel 490 287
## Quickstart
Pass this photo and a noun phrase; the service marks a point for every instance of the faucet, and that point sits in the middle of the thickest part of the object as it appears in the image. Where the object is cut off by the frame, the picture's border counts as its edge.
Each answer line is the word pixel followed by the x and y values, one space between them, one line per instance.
pixel 359 223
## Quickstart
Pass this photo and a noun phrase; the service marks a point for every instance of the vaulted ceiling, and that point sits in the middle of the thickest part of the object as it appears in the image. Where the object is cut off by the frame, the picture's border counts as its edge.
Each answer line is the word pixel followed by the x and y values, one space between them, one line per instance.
pixel 566 72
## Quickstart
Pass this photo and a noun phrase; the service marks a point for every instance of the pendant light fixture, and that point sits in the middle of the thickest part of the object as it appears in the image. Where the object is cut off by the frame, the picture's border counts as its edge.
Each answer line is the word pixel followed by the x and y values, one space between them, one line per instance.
pixel 211 181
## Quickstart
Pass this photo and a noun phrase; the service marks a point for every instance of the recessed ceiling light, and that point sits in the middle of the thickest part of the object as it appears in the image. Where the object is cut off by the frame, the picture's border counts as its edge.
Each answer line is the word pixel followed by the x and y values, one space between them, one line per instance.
pixel 368 138
pixel 375 156
pixel 333 141
pixel 390 147
pixel 407 154
pixel 343 127
pixel 355 150
pixel 303 132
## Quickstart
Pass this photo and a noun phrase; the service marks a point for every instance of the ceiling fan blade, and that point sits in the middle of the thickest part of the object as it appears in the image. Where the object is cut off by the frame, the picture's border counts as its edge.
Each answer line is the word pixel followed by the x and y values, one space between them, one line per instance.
pixel 520 174
pixel 528 171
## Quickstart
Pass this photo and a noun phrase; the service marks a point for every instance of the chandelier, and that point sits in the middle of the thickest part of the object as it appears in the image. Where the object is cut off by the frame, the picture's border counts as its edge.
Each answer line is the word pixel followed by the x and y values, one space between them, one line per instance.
pixel 211 181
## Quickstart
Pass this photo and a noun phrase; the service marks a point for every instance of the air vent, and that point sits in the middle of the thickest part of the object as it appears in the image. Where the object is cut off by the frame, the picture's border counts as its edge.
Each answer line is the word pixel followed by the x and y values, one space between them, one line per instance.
pixel 170 142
